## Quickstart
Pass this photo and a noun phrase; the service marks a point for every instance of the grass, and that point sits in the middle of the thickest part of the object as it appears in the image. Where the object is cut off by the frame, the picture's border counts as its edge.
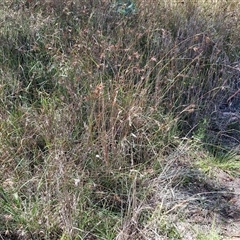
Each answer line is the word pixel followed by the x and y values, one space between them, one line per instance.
pixel 95 103
pixel 213 234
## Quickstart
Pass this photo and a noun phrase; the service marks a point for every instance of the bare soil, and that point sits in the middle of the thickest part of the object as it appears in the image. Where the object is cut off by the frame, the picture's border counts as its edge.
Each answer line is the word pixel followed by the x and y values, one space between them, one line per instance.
pixel 197 204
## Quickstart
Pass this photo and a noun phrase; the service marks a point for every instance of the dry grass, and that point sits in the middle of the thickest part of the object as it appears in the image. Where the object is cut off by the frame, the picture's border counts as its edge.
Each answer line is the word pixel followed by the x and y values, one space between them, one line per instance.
pixel 93 101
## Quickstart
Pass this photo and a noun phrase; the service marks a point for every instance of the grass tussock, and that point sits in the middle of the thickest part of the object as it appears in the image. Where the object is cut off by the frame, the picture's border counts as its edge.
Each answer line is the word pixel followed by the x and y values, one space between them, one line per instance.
pixel 94 100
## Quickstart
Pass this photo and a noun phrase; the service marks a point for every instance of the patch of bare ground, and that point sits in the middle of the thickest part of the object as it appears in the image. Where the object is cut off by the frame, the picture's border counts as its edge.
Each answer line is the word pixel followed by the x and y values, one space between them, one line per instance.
pixel 204 202
pixel 186 204
pixel 231 213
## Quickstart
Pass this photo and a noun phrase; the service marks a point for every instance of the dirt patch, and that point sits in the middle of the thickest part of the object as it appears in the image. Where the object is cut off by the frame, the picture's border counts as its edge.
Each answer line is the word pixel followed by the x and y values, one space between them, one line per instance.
pixel 187 204
pixel 231 213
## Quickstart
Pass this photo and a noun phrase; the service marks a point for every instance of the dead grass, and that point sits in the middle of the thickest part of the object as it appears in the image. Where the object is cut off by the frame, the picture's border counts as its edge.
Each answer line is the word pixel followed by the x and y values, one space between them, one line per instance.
pixel 95 106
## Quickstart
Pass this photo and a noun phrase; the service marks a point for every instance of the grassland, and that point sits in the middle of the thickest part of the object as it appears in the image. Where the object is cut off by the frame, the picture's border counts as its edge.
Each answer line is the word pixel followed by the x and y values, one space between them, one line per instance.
pixel 107 119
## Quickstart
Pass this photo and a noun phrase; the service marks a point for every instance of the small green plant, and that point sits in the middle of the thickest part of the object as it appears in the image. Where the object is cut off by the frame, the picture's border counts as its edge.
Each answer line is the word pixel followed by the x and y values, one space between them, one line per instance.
pixel 213 234
pixel 125 7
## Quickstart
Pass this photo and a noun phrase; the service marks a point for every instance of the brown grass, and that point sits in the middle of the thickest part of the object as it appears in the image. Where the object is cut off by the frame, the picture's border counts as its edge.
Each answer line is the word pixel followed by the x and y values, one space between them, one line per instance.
pixel 92 103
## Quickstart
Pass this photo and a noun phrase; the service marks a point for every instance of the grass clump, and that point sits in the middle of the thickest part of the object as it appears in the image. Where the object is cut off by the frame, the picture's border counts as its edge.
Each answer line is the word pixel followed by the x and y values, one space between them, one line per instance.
pixel 93 101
